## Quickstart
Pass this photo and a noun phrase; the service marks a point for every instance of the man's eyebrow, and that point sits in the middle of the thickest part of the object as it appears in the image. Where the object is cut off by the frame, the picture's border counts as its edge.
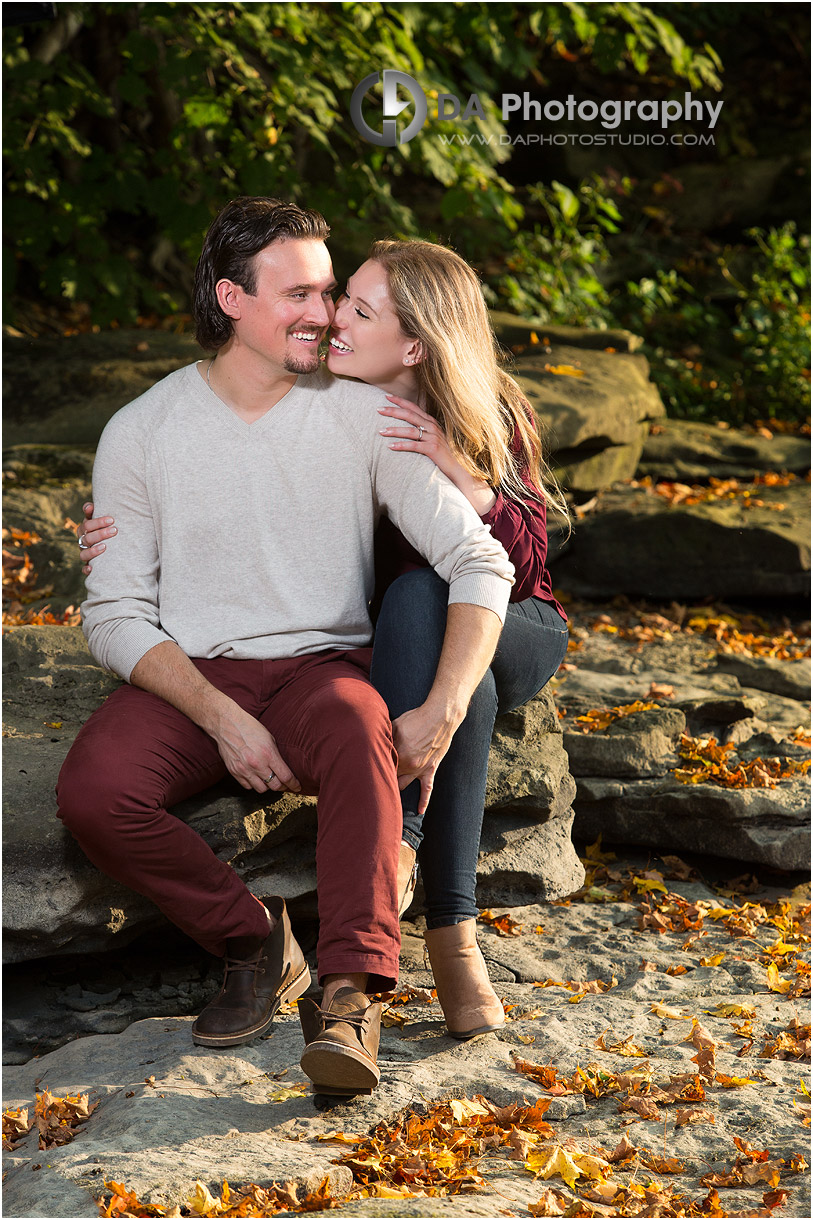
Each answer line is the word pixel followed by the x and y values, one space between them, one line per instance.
pixel 311 287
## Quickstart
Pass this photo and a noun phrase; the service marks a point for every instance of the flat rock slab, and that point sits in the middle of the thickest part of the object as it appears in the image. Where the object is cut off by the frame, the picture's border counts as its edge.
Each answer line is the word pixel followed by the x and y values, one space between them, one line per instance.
pixel 677 449
pixel 761 825
pixel 788 678
pixel 595 424
pixel 55 901
pixel 212 1115
pixel 634 542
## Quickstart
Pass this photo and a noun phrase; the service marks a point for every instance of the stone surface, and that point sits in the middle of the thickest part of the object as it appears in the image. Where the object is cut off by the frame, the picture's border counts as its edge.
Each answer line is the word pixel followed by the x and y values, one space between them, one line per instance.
pixel 633 542
pixel 514 331
pixel 644 743
pixel 55 901
pixel 211 1115
pixel 595 425
pixel 788 678
pixel 768 825
pixel 686 451
pixel 62 391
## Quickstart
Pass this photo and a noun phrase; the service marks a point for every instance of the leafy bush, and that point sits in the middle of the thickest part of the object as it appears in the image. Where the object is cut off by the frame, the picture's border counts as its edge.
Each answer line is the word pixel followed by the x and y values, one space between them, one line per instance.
pixel 740 364
pixel 551 272
pixel 128 126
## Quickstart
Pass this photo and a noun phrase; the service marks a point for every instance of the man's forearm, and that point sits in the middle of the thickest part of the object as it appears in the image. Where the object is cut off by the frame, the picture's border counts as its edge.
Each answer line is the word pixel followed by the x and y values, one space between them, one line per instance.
pixel 167 671
pixel 472 633
pixel 246 747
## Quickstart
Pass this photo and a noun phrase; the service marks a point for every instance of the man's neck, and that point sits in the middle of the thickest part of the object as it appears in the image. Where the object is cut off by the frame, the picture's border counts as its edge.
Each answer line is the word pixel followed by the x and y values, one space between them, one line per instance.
pixel 246 383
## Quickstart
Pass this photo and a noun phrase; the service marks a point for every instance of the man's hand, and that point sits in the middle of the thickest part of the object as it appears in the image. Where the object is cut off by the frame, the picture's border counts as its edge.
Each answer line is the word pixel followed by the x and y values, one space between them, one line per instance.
pixel 422 738
pixel 251 754
pixel 246 747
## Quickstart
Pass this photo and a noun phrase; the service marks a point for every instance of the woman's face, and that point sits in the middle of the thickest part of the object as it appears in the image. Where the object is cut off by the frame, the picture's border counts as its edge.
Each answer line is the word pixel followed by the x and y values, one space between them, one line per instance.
pixel 366 340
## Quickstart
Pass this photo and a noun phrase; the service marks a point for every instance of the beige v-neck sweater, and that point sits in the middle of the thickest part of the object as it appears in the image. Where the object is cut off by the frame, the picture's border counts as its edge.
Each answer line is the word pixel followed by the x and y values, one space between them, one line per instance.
pixel 256 540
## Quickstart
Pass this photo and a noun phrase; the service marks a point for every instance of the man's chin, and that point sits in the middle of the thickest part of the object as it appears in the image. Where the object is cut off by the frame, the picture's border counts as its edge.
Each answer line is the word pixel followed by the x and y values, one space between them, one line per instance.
pixel 304 363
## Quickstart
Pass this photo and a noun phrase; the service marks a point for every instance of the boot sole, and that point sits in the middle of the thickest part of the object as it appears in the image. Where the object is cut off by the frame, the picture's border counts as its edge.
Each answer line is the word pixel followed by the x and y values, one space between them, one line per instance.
pixel 337 1069
pixel 292 991
pixel 466 1035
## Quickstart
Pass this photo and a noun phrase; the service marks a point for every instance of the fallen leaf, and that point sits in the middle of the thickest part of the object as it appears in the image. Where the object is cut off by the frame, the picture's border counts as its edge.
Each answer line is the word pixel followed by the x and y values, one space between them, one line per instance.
pixel 673 1014
pixel 693 1116
pixel 569 1165
pixel 292 1090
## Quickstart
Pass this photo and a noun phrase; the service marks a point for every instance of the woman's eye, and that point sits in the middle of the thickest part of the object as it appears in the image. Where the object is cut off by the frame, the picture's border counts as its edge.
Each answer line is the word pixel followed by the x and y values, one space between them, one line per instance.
pixel 360 314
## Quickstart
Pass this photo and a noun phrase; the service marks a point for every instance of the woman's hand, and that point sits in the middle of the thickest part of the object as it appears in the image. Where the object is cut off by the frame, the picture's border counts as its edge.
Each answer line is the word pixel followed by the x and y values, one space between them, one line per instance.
pixel 417 432
pixel 92 533
pixel 421 740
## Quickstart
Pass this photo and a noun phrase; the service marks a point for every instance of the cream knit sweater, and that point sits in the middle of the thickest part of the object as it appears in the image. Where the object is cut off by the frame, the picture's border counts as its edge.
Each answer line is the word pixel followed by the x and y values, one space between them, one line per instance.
pixel 256 540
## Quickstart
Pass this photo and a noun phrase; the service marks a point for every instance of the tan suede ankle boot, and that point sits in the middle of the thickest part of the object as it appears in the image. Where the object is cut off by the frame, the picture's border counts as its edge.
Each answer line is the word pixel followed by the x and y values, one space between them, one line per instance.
pixel 469 1002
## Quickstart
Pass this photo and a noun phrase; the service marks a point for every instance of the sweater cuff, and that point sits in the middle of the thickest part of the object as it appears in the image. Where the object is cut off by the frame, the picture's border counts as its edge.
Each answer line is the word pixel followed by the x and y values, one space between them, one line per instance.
pixel 130 642
pixel 482 589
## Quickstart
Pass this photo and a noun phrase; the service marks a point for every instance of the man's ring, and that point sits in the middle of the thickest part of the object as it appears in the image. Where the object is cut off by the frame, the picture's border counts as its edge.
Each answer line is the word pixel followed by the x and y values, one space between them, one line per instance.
pixel 271 778
pixel 83 546
pixel 420 432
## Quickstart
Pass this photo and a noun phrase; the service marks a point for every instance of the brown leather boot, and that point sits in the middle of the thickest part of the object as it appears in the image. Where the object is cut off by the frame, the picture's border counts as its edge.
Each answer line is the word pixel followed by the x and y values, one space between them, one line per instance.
pixel 341 1043
pixel 258 976
pixel 407 876
pixel 469 1002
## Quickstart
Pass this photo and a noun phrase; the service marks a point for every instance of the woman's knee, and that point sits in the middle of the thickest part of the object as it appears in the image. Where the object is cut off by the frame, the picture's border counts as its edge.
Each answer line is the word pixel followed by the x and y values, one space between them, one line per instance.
pixel 414 599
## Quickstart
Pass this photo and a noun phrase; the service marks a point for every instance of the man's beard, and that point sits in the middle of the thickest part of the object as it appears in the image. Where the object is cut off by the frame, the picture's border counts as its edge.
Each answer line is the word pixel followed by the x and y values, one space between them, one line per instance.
pixel 301 364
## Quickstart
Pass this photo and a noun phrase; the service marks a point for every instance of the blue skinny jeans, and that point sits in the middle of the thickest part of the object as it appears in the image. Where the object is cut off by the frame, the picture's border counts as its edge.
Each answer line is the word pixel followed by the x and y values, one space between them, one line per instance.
pixel 408 641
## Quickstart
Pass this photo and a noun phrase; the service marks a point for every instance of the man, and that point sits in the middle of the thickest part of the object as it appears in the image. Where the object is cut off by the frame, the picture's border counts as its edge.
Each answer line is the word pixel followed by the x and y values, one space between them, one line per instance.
pixel 262 672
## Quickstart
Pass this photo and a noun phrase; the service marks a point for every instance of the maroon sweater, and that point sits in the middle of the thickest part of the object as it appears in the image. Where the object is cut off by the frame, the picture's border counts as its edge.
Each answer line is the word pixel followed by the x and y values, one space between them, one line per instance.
pixel 520 527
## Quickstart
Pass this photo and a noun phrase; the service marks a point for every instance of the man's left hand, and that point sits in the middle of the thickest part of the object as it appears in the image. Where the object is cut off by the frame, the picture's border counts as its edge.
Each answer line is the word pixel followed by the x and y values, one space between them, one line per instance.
pixel 422 738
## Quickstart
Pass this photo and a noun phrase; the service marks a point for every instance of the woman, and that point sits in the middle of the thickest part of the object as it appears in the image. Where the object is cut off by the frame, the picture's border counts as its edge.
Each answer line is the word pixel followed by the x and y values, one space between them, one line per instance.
pixel 413 322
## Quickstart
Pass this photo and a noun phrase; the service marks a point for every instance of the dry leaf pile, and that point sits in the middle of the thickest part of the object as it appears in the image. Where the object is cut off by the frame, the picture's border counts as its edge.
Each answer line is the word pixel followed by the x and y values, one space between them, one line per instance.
pixel 685 494
pixel 743 634
pixel 705 761
pixel 20 586
pixel 248 1200
pixel 57 1119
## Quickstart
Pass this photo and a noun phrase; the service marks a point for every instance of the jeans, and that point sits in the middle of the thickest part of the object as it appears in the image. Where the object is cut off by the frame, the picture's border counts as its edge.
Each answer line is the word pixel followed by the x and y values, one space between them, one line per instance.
pixel 408 641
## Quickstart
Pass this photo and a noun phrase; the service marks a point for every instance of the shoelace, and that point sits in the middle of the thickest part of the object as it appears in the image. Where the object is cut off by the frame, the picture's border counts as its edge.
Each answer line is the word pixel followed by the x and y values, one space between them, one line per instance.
pixel 352 1018
pixel 233 964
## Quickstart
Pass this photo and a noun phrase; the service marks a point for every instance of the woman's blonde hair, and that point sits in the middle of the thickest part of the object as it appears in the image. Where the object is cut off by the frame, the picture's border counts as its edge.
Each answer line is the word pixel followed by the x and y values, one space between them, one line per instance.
pixel 437 298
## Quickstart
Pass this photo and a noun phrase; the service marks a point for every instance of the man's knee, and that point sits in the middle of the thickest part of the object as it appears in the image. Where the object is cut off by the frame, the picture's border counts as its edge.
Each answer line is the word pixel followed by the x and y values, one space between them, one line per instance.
pixel 355 717
pixel 87 793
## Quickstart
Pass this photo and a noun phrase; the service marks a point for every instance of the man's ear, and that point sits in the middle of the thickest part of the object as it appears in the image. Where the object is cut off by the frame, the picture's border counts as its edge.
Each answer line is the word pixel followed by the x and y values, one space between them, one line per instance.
pixel 228 298
pixel 414 353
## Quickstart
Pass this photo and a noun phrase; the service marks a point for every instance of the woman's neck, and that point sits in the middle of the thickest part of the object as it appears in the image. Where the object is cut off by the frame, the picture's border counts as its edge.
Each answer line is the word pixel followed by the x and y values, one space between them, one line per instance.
pixel 404 385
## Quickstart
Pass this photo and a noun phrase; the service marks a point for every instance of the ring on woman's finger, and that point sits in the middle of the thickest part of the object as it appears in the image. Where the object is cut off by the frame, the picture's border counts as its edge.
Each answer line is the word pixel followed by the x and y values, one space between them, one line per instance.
pixel 83 546
pixel 420 431
pixel 270 779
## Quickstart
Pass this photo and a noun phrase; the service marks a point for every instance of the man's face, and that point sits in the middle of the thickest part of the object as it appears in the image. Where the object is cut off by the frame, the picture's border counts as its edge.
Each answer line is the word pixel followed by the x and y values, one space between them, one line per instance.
pixel 292 308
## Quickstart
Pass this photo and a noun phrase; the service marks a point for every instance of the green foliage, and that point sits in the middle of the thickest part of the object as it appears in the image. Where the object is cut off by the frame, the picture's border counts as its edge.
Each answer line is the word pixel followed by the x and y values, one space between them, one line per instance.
pixel 742 364
pixel 551 272
pixel 122 143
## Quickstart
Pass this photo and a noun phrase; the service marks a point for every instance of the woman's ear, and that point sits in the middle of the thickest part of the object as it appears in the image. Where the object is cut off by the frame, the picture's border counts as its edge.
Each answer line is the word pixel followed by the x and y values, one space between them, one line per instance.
pixel 228 299
pixel 414 354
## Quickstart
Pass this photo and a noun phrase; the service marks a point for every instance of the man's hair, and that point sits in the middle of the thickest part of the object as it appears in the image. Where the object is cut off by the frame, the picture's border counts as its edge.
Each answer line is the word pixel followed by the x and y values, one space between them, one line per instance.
pixel 236 235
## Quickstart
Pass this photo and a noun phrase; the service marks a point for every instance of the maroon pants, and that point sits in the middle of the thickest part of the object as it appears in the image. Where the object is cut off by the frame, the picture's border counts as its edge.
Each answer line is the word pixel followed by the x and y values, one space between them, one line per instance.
pixel 137 755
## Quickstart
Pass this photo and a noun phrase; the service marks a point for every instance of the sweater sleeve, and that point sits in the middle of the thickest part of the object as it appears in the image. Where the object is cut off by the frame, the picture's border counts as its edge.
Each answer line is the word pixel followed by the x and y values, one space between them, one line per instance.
pixel 439 521
pixel 120 616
